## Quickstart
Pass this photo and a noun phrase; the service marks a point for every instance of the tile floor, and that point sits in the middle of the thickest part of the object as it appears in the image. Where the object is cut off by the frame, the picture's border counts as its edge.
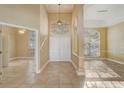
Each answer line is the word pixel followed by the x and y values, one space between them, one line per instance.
pixel 98 74
pixel 103 74
pixel 61 75
pixel 19 74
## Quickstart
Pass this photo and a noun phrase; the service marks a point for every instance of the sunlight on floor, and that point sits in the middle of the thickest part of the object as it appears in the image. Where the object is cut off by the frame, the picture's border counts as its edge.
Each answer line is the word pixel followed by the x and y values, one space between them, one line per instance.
pixel 98 74
pixel 97 69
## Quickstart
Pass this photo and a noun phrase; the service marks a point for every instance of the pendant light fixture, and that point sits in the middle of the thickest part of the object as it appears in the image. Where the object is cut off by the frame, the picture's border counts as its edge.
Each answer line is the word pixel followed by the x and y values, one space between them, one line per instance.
pixel 59 22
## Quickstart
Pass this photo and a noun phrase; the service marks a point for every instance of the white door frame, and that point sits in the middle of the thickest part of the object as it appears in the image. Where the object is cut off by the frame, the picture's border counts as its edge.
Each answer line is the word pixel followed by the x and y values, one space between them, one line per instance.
pixel 37 39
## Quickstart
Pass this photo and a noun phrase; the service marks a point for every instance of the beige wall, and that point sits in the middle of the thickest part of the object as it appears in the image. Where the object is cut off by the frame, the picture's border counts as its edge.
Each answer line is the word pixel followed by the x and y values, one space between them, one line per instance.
pixel 22 44
pixel 43 37
pixel 14 44
pixel 74 38
pixel 77 38
pixel 43 23
pixel 5 43
pixel 116 42
pixel 64 17
pixel 27 15
pixel 103 40
pixel 44 53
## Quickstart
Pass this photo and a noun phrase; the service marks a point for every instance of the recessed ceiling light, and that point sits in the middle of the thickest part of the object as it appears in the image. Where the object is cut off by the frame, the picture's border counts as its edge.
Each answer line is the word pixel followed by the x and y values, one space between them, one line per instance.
pixel 102 11
pixel 21 31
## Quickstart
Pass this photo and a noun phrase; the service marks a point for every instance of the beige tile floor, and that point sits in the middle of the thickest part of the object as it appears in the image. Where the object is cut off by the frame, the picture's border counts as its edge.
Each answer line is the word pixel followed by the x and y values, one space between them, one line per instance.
pixel 98 74
pixel 103 74
pixel 60 75
pixel 19 74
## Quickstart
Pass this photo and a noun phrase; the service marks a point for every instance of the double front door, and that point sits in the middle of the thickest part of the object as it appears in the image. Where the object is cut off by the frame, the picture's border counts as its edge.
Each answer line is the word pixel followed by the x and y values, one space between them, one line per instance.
pixel 60 48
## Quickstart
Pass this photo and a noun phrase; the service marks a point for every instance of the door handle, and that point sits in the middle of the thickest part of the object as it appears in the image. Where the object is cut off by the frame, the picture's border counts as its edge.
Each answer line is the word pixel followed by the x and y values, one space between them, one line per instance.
pixel 0 52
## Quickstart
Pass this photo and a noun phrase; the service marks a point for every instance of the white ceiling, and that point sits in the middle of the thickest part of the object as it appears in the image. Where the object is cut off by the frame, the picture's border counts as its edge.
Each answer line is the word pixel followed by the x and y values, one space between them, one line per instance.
pixel 94 18
pixel 64 8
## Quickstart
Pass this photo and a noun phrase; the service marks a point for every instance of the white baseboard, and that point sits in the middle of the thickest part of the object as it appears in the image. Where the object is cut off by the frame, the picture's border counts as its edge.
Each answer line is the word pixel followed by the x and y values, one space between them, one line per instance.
pixel 59 60
pixel 77 72
pixel 20 58
pixel 12 59
pixel 74 65
pixel 96 58
pixel 116 61
pixel 109 59
pixel 43 67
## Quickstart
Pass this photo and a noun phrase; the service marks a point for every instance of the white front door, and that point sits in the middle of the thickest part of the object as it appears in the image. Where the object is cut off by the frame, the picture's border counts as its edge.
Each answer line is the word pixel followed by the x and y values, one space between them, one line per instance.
pixel 60 48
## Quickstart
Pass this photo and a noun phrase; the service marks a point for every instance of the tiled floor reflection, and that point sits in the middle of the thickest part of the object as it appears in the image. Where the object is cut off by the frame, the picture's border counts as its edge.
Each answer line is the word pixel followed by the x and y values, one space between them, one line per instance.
pixel 103 74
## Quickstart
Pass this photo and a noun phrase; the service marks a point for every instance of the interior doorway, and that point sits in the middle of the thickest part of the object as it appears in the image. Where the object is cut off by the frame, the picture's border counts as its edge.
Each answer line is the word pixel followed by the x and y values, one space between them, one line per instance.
pixel 60 43
pixel 19 52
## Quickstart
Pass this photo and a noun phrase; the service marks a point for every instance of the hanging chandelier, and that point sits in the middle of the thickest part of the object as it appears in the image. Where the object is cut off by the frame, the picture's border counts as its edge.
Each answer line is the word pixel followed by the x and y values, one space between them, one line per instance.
pixel 59 22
